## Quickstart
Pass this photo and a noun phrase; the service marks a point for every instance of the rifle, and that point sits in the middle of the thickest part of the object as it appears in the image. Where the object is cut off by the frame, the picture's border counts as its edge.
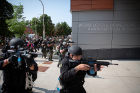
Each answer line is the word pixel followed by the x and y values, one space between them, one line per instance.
pixel 20 53
pixel 90 62
pixel 71 42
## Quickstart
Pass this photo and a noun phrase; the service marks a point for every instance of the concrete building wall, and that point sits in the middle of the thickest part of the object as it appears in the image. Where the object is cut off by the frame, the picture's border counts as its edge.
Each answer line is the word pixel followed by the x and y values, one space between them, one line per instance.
pixel 108 33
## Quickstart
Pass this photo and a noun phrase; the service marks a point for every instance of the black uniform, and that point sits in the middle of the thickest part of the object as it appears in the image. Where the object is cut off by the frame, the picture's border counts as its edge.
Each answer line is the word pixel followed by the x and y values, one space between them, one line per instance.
pixel 35 45
pixel 66 50
pixel 14 78
pixel 44 49
pixel 71 82
pixel 50 51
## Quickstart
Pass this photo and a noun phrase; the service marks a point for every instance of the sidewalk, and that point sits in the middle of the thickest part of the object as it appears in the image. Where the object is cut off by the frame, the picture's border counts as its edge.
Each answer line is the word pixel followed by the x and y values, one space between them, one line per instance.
pixel 124 78
pixel 47 81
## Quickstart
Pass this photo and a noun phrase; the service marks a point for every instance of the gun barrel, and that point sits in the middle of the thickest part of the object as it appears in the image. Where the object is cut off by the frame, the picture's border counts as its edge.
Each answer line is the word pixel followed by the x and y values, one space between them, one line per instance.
pixel 35 53
pixel 10 51
pixel 113 64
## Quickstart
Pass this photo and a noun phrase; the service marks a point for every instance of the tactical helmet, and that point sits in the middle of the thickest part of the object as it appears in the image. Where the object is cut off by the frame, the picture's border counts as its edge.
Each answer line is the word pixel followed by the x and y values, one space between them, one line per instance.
pixel 16 41
pixel 64 43
pixel 50 39
pixel 75 50
pixel 65 40
pixel 60 40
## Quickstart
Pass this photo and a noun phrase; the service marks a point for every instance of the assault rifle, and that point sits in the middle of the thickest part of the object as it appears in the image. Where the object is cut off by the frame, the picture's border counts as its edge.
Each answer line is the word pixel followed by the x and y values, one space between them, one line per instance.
pixel 20 56
pixel 90 62
pixel 70 42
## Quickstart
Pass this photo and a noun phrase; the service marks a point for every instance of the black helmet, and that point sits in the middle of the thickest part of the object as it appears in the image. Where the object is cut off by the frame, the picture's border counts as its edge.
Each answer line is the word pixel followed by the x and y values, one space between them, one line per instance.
pixel 60 40
pixel 75 50
pixel 64 43
pixel 65 39
pixel 16 41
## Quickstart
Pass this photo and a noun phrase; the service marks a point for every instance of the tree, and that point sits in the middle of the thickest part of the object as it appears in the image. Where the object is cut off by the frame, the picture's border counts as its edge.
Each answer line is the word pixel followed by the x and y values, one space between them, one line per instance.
pixel 62 29
pixel 35 25
pixel 6 11
pixel 17 24
pixel 65 28
pixel 49 26
pixel 58 29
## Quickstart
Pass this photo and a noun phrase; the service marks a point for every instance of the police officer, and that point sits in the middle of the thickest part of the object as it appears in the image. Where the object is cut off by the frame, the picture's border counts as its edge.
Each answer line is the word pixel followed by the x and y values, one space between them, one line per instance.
pixel 54 40
pixel 38 45
pixel 35 45
pixel 14 76
pixel 58 51
pixel 50 46
pixel 6 47
pixel 44 48
pixel 72 78
pixel 64 49
pixel 66 40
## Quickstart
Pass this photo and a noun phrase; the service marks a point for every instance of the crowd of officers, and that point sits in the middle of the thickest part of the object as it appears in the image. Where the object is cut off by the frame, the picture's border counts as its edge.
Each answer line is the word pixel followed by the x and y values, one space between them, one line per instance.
pixel 71 78
pixel 48 45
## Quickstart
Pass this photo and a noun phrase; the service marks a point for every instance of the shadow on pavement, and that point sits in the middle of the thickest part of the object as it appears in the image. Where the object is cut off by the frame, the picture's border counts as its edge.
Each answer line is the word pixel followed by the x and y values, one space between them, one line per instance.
pixel 87 76
pixel 43 90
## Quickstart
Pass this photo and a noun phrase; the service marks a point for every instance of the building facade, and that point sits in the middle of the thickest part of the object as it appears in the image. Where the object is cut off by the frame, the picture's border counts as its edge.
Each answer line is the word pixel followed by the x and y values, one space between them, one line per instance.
pixel 29 30
pixel 111 28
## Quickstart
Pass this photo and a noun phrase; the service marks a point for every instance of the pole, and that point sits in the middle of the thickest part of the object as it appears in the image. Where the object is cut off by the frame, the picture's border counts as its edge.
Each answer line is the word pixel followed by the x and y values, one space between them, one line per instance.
pixel 43 21
pixel 35 29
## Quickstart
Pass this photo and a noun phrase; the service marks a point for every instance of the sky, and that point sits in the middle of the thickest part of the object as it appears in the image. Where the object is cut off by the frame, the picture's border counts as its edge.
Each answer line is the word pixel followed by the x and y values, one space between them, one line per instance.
pixel 58 10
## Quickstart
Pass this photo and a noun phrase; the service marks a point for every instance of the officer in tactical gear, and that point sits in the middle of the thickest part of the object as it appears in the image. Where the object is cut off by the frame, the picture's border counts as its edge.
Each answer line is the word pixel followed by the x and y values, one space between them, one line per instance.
pixel 63 49
pixel 66 40
pixel 50 46
pixel 6 47
pixel 55 41
pixel 14 77
pixel 58 51
pixel 72 78
pixel 44 48
pixel 35 45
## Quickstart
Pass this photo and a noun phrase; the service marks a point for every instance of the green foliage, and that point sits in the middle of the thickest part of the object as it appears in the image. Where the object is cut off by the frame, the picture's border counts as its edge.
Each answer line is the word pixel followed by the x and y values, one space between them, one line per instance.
pixel 6 11
pixel 39 25
pixel 62 29
pixel 17 25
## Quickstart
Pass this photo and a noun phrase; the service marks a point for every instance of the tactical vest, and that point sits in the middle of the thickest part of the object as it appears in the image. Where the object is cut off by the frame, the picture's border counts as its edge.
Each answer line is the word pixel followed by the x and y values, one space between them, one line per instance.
pixel 75 82
pixel 14 79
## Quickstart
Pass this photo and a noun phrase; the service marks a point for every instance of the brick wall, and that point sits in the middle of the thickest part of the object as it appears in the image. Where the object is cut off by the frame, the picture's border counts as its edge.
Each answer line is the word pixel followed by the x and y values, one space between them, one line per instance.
pixel 91 4
pixel 29 30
